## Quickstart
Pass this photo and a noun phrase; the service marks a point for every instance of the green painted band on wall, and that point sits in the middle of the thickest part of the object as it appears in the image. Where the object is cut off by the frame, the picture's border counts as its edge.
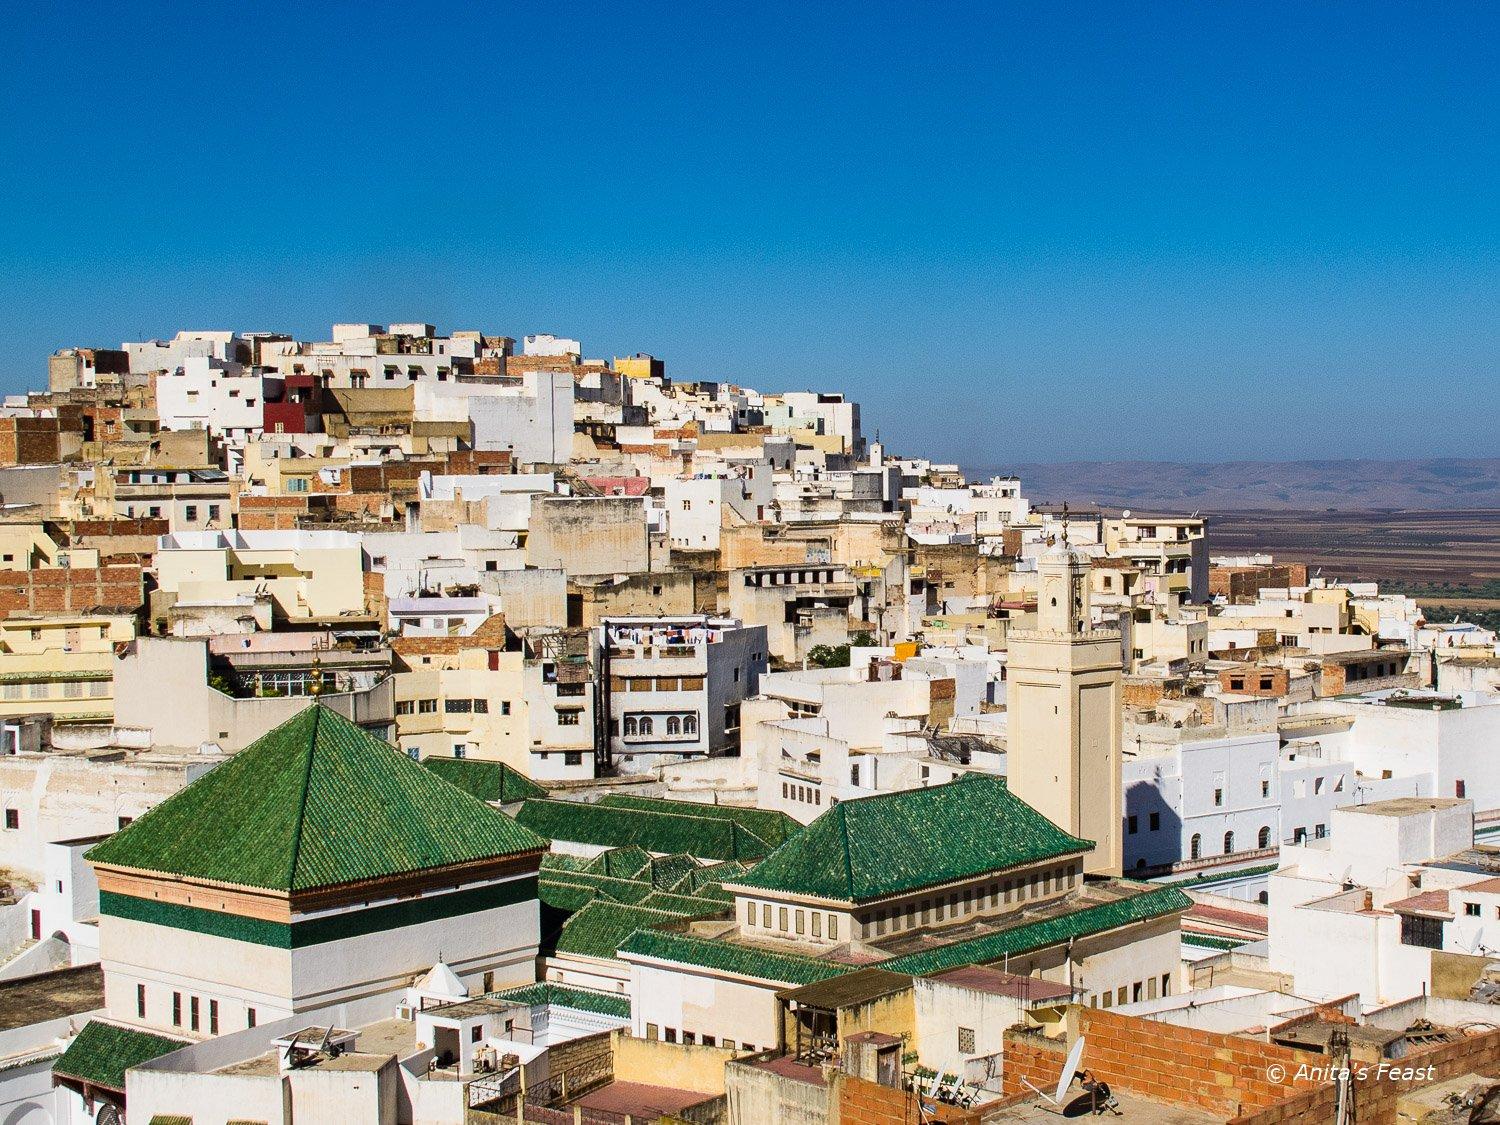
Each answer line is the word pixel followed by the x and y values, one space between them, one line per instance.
pixel 317 931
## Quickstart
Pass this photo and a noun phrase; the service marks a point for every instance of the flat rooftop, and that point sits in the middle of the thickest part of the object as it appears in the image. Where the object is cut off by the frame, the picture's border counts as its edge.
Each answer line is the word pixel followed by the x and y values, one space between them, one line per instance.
pixel 641 1101
pixel 1405 806
pixel 377 1042
pixel 1133 1108
pixel 50 996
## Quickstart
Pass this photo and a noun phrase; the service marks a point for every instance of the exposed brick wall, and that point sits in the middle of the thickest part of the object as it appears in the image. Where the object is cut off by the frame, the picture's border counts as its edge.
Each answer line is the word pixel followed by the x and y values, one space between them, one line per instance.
pixel 1376 1096
pixel 868 1103
pixel 1222 1074
pixel 70 590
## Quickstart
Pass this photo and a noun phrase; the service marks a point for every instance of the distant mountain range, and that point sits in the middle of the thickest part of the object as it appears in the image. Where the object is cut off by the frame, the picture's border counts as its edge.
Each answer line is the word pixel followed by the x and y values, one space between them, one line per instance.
pixel 1364 485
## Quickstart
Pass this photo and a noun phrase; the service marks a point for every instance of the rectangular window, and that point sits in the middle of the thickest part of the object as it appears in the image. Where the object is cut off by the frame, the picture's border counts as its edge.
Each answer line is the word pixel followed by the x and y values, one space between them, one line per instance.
pixel 1218 798
pixel 567 718
pixel 213 1017
pixel 652 1033
pixel 140 1001
pixel 765 916
pixel 13 818
pixel 1155 821
pixel 176 1009
pixel 817 924
pixel 458 706
pixel 427 706
pixel 1424 932
pixel 782 917
pixel 190 512
pixel 966 1041
pixel 1265 788
pixel 671 1035
pixel 403 707
pixel 833 927
pixel 192 1013
pixel 481 706
pixel 801 921
pixel 1471 909
pixel 1131 824
pixel 505 707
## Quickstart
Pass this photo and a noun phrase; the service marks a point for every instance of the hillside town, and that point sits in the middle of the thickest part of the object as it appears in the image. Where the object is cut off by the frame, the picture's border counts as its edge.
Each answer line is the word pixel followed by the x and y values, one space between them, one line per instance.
pixel 443 729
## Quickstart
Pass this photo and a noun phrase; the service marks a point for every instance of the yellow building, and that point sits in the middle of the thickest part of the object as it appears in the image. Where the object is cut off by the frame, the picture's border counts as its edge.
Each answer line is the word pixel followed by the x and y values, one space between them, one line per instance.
pixel 462 697
pixel 638 366
pixel 61 663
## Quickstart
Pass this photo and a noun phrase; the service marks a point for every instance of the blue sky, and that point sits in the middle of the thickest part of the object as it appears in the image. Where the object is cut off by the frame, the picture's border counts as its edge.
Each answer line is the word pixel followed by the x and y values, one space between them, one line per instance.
pixel 1014 232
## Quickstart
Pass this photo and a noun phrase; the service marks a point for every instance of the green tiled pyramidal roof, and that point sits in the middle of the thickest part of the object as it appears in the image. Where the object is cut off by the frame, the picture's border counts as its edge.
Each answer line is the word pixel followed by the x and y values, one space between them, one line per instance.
pixel 489 781
pixel 876 846
pixel 1042 933
pixel 316 802
pixel 730 957
pixel 608 826
pixel 103 1052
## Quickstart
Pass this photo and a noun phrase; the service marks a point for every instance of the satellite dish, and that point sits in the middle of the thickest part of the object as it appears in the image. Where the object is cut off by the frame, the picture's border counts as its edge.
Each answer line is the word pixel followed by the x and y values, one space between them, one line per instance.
pixel 1070 1068
pixel 1125 514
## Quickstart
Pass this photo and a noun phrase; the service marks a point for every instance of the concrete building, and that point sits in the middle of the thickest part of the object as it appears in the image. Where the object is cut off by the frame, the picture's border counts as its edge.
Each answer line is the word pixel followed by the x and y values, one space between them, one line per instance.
pixel 673 686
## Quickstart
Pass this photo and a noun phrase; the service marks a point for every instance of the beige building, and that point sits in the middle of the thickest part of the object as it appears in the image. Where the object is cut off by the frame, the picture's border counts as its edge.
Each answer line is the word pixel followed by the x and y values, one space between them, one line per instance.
pixel 309 575
pixel 1063 739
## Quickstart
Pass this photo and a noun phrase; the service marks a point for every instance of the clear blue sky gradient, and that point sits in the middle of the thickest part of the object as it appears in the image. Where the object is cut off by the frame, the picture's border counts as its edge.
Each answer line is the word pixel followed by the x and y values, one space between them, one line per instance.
pixel 1015 232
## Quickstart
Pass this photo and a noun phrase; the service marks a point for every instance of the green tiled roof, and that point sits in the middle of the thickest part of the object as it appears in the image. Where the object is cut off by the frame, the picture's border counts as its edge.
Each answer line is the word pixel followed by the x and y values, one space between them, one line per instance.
pixel 877 846
pixel 696 906
pixel 103 1052
pixel 315 802
pixel 705 837
pixel 1043 933
pixel 598 929
pixel 489 781
pixel 601 1003
pixel 565 896
pixel 771 826
pixel 621 890
pixel 778 968
pixel 670 870
pixel 621 863
pixel 561 861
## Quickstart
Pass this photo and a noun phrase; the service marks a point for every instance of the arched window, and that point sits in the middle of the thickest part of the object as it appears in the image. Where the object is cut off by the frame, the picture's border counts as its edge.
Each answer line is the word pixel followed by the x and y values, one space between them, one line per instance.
pixel 1264 839
pixel 646 725
pixel 674 726
pixel 1228 842
pixel 630 725
pixel 1195 847
pixel 690 725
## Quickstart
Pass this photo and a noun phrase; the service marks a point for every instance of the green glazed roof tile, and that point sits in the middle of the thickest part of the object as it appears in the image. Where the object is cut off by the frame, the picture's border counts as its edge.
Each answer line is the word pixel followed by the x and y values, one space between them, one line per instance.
pixel 601 1003
pixel 771 826
pixel 598 929
pixel 877 846
pixel 704 837
pixel 780 968
pixel 316 802
pixel 103 1052
pixel 489 781
pixel 1042 933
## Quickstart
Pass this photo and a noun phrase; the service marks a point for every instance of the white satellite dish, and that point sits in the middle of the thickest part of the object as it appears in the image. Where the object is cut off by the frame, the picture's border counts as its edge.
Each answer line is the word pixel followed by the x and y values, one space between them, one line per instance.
pixel 1125 514
pixel 1070 1068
